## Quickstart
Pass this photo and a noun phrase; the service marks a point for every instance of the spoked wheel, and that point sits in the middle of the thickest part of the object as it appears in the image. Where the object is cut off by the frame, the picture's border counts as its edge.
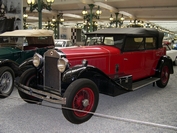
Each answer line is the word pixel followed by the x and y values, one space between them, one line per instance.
pixel 164 76
pixel 6 81
pixel 29 79
pixel 82 97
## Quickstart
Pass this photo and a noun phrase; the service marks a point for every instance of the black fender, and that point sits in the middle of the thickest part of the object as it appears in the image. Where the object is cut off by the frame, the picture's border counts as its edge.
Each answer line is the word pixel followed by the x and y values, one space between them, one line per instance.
pixel 104 83
pixel 28 62
pixel 164 59
pixel 12 64
pixel 80 71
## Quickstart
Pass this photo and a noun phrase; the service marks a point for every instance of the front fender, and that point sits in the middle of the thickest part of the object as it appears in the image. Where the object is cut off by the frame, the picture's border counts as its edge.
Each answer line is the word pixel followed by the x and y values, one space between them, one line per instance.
pixel 105 84
pixel 26 63
pixel 80 71
pixel 73 73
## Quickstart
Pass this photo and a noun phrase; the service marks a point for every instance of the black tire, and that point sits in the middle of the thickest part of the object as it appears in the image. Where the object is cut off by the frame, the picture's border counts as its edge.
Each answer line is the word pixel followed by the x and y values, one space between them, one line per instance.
pixel 86 93
pixel 175 62
pixel 164 76
pixel 6 81
pixel 28 78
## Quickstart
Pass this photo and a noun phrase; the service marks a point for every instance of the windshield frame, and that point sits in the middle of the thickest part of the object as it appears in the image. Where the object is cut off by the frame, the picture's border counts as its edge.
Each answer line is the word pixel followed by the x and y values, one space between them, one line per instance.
pixel 116 40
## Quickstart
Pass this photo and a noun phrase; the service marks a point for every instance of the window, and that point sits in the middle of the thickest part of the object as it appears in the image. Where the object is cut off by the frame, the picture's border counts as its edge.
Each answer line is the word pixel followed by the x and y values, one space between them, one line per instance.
pixel 108 41
pixel 150 43
pixel 94 40
pixel 134 43
pixel 111 40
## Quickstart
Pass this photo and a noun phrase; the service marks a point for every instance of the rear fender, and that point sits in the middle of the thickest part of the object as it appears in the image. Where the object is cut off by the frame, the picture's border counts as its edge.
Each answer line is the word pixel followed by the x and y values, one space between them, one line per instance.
pixel 12 64
pixel 165 59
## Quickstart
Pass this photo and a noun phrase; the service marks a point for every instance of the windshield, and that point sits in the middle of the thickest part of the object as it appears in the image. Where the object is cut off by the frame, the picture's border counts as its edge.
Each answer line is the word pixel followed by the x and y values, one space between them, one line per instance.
pixel 63 43
pixel 111 40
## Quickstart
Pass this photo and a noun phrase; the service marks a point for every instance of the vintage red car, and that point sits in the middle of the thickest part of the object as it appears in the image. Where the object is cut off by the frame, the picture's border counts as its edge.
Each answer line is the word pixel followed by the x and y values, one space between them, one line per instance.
pixel 113 62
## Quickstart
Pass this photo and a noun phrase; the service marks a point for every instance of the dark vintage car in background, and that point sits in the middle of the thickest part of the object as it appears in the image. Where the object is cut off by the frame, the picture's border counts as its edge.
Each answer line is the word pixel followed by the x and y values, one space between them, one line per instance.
pixel 115 61
pixel 16 47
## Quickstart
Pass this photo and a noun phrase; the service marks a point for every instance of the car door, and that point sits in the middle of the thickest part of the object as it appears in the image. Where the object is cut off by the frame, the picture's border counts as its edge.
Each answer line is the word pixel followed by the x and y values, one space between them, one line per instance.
pixel 152 55
pixel 133 57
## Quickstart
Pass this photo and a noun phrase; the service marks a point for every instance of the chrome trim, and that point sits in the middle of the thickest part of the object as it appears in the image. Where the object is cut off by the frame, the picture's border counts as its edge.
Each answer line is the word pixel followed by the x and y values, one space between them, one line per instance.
pixel 53 54
pixel 41 94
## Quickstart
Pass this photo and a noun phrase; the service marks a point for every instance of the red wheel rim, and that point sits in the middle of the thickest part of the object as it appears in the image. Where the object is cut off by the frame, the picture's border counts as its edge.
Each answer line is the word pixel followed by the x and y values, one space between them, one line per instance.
pixel 165 74
pixel 84 101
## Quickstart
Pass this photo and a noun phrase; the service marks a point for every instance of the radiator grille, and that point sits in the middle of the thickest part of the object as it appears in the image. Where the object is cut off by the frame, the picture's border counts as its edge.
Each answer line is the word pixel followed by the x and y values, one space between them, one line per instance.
pixel 52 75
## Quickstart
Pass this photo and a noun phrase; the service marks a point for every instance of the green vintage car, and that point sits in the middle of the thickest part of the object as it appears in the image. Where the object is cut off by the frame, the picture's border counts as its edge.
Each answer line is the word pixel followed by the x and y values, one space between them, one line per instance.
pixel 15 48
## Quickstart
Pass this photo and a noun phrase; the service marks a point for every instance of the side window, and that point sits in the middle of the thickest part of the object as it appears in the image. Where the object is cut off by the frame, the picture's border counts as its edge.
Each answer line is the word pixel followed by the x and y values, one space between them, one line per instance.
pixel 134 44
pixel 150 43
pixel 108 41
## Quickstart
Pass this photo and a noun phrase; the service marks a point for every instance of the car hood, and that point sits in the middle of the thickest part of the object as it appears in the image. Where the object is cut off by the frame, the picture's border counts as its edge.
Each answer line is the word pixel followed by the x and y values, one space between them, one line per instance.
pixel 91 53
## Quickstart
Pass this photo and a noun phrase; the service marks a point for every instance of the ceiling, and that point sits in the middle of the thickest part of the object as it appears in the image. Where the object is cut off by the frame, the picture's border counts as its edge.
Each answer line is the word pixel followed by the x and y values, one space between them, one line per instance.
pixel 160 12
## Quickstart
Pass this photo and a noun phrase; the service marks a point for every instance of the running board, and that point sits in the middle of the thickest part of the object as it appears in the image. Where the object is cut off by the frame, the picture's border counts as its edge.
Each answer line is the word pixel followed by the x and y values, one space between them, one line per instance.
pixel 144 82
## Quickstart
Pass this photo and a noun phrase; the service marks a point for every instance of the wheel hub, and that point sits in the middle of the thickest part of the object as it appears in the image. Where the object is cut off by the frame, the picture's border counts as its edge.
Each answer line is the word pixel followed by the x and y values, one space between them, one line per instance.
pixel 85 102
pixel 166 74
pixel 5 82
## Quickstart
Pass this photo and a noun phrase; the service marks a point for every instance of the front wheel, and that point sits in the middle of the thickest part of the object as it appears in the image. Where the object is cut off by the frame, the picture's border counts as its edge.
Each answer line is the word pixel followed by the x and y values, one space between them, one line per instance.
pixel 6 81
pixel 29 79
pixel 82 97
pixel 164 76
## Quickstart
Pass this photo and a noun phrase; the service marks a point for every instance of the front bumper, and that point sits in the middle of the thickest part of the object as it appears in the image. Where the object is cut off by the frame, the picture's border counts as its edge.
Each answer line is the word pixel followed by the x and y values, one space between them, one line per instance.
pixel 41 94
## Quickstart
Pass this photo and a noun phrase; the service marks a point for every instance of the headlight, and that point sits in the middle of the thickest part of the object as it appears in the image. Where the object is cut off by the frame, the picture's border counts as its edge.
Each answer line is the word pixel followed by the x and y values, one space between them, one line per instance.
pixel 37 60
pixel 62 63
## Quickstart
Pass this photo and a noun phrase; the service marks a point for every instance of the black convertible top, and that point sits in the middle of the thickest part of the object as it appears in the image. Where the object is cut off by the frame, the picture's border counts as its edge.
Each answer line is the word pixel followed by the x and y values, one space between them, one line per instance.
pixel 130 31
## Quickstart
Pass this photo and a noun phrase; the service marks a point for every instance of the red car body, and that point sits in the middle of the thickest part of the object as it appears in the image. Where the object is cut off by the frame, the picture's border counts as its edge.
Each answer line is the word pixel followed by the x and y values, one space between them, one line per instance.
pixel 143 63
pixel 113 62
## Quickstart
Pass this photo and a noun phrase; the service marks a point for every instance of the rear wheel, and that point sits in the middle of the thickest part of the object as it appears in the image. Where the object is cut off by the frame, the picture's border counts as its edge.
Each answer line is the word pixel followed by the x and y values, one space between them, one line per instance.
pixel 29 78
pixel 175 62
pixel 6 81
pixel 164 76
pixel 81 95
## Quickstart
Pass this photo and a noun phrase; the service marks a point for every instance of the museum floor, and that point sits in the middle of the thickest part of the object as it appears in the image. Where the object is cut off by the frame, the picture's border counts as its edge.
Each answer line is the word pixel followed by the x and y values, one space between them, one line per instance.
pixel 147 110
